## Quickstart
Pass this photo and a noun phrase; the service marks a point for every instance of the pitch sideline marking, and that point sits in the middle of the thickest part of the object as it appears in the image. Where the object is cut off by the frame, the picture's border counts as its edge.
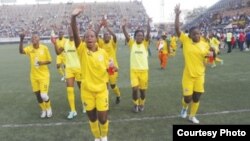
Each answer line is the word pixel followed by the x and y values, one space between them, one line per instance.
pixel 118 120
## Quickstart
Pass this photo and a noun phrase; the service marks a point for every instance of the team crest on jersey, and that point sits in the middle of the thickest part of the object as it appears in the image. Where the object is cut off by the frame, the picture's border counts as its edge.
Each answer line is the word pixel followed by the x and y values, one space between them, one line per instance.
pixel 41 52
pixel 100 58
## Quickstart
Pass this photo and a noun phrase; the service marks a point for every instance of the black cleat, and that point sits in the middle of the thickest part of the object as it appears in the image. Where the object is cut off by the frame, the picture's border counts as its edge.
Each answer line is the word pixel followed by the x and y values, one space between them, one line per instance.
pixel 117 101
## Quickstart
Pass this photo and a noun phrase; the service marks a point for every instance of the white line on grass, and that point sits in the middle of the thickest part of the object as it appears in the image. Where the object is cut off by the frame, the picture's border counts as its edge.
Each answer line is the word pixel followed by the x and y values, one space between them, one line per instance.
pixel 117 120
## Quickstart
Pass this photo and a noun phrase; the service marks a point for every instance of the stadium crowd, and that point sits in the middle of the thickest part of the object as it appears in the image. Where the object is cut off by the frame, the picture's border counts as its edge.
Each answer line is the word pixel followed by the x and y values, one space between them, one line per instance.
pixel 45 17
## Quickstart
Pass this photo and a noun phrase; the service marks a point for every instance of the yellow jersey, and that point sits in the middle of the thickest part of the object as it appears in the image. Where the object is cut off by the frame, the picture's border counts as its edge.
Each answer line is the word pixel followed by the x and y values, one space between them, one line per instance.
pixel 60 43
pixel 173 42
pixel 71 55
pixel 110 48
pixel 163 46
pixel 194 55
pixel 40 54
pixel 94 68
pixel 138 55
pixel 214 43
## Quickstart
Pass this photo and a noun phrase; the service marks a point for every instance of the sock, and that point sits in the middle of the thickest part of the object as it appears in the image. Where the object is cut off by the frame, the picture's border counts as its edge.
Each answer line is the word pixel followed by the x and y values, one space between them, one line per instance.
pixel 71 98
pixel 104 129
pixel 42 106
pixel 47 104
pixel 95 129
pixel 194 108
pixel 116 90
pixel 142 101
pixel 218 59
pixel 184 104
pixel 136 102
pixel 60 70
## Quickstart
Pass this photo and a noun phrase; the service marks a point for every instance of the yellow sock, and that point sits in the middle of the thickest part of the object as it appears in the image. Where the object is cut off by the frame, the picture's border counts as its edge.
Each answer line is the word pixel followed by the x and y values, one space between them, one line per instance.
pixel 104 129
pixel 116 90
pixel 60 70
pixel 95 129
pixel 142 101
pixel 71 98
pixel 194 108
pixel 42 106
pixel 218 59
pixel 184 104
pixel 136 102
pixel 47 104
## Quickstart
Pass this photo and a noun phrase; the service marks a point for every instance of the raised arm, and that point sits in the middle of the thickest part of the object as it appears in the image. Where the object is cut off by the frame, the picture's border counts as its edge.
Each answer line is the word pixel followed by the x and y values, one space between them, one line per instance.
pixel 124 30
pixel 75 31
pixel 177 20
pixel 21 51
pixel 99 28
pixel 111 33
pixel 148 30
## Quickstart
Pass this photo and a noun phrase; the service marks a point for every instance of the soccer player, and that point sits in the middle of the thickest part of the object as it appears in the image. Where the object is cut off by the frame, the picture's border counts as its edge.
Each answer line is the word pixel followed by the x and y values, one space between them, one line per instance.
pixel 138 65
pixel 163 51
pixel 195 52
pixel 173 45
pixel 215 43
pixel 110 46
pixel 60 60
pixel 229 36
pixel 94 64
pixel 39 56
pixel 72 71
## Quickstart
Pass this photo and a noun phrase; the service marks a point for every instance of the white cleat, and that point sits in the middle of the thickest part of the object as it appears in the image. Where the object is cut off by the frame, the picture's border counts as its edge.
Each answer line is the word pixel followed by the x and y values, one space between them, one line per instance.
pixel 49 112
pixel 222 62
pixel 63 79
pixel 72 115
pixel 194 120
pixel 104 139
pixel 84 110
pixel 97 139
pixel 136 108
pixel 43 114
pixel 213 66
pixel 141 108
pixel 183 113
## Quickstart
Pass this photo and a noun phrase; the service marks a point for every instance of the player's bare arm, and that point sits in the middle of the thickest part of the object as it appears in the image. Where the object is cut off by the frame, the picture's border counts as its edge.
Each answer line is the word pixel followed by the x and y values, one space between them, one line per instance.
pixel 21 35
pixel 74 14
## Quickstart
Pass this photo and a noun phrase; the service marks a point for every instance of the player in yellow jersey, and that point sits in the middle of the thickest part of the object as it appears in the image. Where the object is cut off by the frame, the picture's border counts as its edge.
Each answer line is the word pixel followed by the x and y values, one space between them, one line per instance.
pixel 163 51
pixel 110 46
pixel 60 60
pixel 195 52
pixel 215 43
pixel 39 56
pixel 173 45
pixel 94 63
pixel 72 71
pixel 138 65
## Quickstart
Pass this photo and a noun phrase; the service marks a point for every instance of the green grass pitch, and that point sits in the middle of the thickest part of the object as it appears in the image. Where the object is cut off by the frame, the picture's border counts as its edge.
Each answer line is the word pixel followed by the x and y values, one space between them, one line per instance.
pixel 226 100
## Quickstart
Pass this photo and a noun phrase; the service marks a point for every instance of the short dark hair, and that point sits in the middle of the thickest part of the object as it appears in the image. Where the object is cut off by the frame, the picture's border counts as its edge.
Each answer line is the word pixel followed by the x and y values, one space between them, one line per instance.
pixel 193 28
pixel 137 31
pixel 92 31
